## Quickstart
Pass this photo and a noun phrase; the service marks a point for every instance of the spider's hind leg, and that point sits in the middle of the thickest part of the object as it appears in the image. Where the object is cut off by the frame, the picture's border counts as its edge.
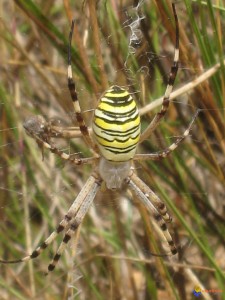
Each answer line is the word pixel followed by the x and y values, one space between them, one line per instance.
pixel 171 79
pixel 74 97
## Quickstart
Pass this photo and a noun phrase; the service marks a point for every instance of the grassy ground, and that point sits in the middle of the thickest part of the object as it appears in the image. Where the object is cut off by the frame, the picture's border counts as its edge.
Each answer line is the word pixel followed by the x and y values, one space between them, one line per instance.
pixel 110 257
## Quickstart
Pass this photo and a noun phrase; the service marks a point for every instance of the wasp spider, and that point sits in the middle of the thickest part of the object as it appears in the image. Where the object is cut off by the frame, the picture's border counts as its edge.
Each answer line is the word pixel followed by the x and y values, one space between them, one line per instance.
pixel 116 134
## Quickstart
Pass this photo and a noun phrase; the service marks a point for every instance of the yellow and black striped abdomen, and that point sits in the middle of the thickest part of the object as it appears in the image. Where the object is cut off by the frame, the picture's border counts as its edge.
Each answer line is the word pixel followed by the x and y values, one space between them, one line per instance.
pixel 116 125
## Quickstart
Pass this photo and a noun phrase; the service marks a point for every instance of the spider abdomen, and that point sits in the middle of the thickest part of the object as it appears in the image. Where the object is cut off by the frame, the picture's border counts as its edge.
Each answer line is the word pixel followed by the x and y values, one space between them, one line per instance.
pixel 116 125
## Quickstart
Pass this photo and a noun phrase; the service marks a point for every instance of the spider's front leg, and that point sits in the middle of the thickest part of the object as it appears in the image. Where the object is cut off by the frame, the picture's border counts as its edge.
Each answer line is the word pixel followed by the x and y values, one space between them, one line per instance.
pixel 71 221
pixel 160 206
pixel 77 219
pixel 154 206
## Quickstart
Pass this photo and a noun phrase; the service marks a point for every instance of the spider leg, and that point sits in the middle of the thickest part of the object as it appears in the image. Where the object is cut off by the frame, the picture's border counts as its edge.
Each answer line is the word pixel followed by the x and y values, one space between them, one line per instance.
pixel 172 76
pixel 75 224
pixel 74 97
pixel 152 209
pixel 87 188
pixel 164 153
pixel 157 202
pixel 35 127
pixel 65 132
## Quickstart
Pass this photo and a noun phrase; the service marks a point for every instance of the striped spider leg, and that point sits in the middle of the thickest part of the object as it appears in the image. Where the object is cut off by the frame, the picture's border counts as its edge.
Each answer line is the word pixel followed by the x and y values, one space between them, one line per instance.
pixel 71 221
pixel 171 79
pixel 74 97
pixel 164 153
pixel 116 133
pixel 159 213
pixel 37 128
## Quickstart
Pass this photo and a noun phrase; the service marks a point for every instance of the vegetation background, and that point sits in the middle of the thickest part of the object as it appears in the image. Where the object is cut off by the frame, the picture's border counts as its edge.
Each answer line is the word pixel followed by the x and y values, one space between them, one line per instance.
pixel 128 43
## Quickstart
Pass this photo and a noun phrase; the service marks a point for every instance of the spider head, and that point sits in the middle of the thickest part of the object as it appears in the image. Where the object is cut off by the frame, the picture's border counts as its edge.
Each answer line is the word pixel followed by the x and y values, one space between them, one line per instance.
pixel 114 173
